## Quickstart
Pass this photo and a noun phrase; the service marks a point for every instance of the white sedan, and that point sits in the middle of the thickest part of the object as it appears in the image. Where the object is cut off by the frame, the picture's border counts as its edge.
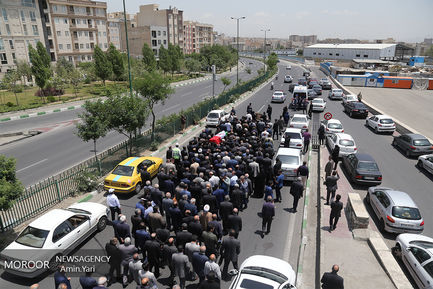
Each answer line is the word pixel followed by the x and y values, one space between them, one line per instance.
pixel 349 98
pixel 344 141
pixel 299 121
pixel 416 252
pixel 296 138
pixel 336 93
pixel 278 96
pixel 51 236
pixel 381 123
pixel 264 272
pixel 426 162
pixel 332 126
pixel 318 104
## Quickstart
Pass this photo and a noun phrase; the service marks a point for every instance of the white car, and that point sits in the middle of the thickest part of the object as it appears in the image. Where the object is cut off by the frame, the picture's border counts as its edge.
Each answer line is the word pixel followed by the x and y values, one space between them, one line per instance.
pixel 56 233
pixel 332 126
pixel 278 96
pixel 264 272
pixel 381 123
pixel 290 159
pixel 426 162
pixel 216 117
pixel 296 139
pixel 288 79
pixel 349 98
pixel 288 67
pixel 318 104
pixel 299 121
pixel 336 93
pixel 416 252
pixel 344 141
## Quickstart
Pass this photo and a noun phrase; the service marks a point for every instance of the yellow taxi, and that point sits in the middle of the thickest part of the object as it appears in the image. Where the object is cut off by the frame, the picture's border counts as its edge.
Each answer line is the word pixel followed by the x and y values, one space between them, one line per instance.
pixel 125 177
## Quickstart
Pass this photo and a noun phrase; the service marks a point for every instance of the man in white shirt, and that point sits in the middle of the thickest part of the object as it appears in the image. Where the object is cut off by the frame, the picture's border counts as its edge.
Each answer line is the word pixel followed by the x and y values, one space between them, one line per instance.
pixel 113 204
pixel 212 266
pixel 213 180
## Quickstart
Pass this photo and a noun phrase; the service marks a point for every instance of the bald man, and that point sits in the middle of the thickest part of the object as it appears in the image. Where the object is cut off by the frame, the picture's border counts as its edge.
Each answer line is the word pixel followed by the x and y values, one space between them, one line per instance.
pixel 331 280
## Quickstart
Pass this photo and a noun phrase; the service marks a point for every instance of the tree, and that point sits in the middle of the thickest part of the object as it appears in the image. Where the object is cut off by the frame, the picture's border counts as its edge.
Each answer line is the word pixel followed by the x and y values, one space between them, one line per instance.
pixel 10 80
pixel 300 52
pixel 75 79
pixel 164 60
pixel 24 70
pixel 116 59
pixel 94 122
pixel 192 65
pixel 226 82
pixel 103 68
pixel 154 88
pixel 41 67
pixel 272 60
pixel 175 56
pixel 10 187
pixel 148 58
pixel 63 67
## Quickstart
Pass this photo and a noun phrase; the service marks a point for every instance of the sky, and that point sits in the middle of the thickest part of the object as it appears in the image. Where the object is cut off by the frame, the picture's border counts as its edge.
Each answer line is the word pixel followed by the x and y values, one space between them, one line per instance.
pixel 403 20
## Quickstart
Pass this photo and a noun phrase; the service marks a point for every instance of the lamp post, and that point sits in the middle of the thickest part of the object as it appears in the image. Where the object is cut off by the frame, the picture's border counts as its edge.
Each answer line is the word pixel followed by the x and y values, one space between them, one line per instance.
pixel 264 50
pixel 237 44
pixel 127 48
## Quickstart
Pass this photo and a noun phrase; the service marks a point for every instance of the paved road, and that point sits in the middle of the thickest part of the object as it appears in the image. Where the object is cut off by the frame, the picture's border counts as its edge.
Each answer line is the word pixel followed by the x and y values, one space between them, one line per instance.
pixel 282 242
pixel 59 148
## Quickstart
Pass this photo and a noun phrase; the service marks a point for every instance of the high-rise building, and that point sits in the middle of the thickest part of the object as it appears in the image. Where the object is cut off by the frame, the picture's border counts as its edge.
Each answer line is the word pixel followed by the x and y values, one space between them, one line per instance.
pixel 302 40
pixel 196 36
pixel 115 24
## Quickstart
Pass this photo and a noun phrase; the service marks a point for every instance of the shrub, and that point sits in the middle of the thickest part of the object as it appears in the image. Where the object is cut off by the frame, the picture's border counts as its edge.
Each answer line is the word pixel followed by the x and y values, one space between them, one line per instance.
pixel 51 91
pixel 10 104
pixel 51 98
pixel 154 146
pixel 87 181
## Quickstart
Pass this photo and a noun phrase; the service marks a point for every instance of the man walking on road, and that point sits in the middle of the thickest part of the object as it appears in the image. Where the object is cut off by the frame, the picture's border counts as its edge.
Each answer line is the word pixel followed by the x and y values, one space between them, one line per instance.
pixel 296 190
pixel 331 186
pixel 279 185
pixel 113 204
pixel 307 136
pixel 230 250
pixel 336 208
pixel 269 112
pixel 303 172
pixel 268 213
pixel 330 280
pixel 328 167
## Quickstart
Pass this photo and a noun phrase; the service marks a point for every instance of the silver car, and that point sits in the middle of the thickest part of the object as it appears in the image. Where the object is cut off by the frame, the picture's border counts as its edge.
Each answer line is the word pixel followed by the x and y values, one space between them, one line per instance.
pixel 396 211
pixel 296 138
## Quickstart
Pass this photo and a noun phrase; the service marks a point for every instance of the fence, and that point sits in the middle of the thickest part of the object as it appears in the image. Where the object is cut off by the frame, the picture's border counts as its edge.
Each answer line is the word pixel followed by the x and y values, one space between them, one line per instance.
pixel 45 194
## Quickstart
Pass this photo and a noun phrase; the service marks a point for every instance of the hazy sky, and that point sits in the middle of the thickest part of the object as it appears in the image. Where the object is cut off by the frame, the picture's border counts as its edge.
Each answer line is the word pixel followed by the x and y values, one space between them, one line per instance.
pixel 403 20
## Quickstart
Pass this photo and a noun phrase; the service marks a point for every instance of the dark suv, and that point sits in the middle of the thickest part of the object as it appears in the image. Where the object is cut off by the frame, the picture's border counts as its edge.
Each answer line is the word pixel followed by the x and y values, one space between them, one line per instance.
pixel 356 108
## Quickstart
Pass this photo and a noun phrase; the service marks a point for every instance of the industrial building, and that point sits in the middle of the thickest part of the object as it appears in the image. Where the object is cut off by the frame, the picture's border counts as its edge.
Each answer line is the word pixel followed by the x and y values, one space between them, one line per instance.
pixel 385 51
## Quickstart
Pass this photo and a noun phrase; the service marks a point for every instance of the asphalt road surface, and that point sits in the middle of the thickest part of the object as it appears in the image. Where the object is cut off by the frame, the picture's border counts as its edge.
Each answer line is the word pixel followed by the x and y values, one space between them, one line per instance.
pixel 283 241
pixel 58 148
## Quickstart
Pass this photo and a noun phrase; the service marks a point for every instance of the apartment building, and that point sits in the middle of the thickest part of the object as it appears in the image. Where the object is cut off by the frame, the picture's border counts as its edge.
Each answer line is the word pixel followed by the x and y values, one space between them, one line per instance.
pixel 20 25
pixel 196 36
pixel 114 26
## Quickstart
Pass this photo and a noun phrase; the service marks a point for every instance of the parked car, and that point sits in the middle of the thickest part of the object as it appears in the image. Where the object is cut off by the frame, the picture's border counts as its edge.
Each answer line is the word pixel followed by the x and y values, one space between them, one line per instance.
pixel 426 162
pixel 344 141
pixel 318 104
pixel 302 81
pixel 296 139
pixel 317 89
pixel 299 121
pixel 306 74
pixel 380 123
pixel 288 67
pixel 356 108
pixel 126 177
pixel 312 82
pixel 292 87
pixel 290 159
pixel 264 272
pixel 332 126
pixel 336 93
pixel 325 84
pixel 216 117
pixel 395 210
pixel 362 169
pixel 278 96
pixel 288 79
pixel 55 233
pixel 312 94
pixel 349 97
pixel 416 252
pixel 413 144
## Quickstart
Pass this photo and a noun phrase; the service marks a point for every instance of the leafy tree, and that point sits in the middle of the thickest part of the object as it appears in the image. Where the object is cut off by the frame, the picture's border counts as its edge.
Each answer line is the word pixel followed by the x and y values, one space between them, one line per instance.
pixel 88 69
pixel 94 122
pixel 192 65
pixel 148 58
pixel 63 67
pixel 10 80
pixel 175 56
pixel 300 52
pixel 117 63
pixel 10 187
pixel 155 89
pixel 272 60
pixel 103 68
pixel 41 67
pixel 226 82
pixel 75 79
pixel 24 70
pixel 164 59
pixel 220 56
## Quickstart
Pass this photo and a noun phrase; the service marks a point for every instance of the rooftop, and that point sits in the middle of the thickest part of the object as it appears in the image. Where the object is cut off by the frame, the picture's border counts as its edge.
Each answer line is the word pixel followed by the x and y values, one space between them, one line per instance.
pixel 352 46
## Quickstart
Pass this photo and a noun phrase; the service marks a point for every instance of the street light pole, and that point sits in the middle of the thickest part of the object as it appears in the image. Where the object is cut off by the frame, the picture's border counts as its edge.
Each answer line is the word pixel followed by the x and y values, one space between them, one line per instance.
pixel 237 44
pixel 127 48
pixel 264 49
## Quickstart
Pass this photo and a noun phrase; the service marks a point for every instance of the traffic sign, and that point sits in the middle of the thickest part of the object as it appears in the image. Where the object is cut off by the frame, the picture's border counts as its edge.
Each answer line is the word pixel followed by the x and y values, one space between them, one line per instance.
pixel 328 116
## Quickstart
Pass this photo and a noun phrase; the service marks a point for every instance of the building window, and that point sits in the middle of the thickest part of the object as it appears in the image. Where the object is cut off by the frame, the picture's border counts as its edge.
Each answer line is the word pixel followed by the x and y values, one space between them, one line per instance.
pixel 65 20
pixel 60 46
pixel 59 33
pixel 105 45
pixel 28 3
pixel 99 33
pixel 78 21
pixel 89 57
pixel 68 46
pixel 159 42
pixel 56 20
pixel 81 45
pixel 87 45
pixel 104 33
pixel 83 57
pixel 5 14
pixel 11 44
pixel 32 16
pixel 70 58
pixel 330 54
pixel 8 29
pixel 23 17
pixel 153 33
pixel 154 43
pixel 366 55
pixel 80 33
pixel 320 53
pixel 35 30
pixel 66 33
pixel 164 33
pixel 337 54
pixel 86 33
pixel 358 55
pixel 14 58
pixel 2 46
pixel 76 45
pixel 165 42
pixel 3 58
pixel 25 29
pixel 159 33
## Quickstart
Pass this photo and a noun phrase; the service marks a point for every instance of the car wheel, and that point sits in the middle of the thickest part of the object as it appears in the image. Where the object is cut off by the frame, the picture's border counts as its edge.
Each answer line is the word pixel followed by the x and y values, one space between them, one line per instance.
pixel 394 143
pixel 419 164
pixel 376 130
pixel 54 265
pixel 367 198
pixel 396 251
pixel 102 223
pixel 138 188
pixel 382 225
pixel 407 153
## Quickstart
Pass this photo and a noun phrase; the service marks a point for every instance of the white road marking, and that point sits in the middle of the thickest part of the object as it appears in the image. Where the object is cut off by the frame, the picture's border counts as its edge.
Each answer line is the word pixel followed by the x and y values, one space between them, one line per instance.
pixel 188 93
pixel 32 165
pixel 263 106
pixel 171 107
pixel 289 237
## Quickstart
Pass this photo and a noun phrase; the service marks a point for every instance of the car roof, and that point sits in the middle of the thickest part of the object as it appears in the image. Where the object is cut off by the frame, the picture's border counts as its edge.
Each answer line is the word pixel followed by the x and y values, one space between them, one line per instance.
pixel 318 98
pixel 132 161
pixel 271 263
pixel 337 89
pixel 216 111
pixel 400 198
pixel 344 136
pixel 278 91
pixel 51 219
pixel 415 135
pixel 364 157
pixel 292 129
pixel 289 152
pixel 357 103
pixel 383 116
pixel 334 120
pixel 299 115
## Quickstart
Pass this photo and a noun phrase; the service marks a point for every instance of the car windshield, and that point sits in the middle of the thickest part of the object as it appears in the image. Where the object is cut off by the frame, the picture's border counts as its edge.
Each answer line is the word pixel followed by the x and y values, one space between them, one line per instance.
pixel 368 166
pixel 317 100
pixel 213 115
pixel 253 284
pixel 32 237
pixel 266 273
pixel 317 86
pixel 359 105
pixel 292 135
pixel 337 91
pixel 289 160
pixel 298 119
pixel 346 143
pixel 278 93
pixel 335 125
pixel 123 170
pixel 421 142
pixel 386 121
pixel 351 97
pixel 423 244
pixel 406 213
pixel 79 211
pixel 429 269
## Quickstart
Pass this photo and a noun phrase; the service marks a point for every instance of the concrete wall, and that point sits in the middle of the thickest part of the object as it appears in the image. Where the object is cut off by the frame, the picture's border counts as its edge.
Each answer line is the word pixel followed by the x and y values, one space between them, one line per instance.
pixel 349 53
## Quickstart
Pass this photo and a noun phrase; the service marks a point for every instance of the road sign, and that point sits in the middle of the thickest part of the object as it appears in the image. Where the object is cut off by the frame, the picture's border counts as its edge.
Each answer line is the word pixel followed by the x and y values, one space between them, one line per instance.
pixel 328 116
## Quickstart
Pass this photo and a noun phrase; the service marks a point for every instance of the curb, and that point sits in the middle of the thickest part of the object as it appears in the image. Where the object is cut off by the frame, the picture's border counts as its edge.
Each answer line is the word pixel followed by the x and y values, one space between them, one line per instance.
pixel 40 113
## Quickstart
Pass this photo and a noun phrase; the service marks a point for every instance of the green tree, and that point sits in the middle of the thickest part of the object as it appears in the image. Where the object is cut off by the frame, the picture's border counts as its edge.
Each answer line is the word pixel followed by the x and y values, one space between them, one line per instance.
pixel 148 58
pixel 88 69
pixel 10 187
pixel 272 60
pixel 103 68
pixel 175 57
pixel 10 80
pixel 155 89
pixel 75 79
pixel 117 63
pixel 41 66
pixel 192 65
pixel 63 67
pixel 94 122
pixel 226 82
pixel 164 60
pixel 24 70
pixel 300 52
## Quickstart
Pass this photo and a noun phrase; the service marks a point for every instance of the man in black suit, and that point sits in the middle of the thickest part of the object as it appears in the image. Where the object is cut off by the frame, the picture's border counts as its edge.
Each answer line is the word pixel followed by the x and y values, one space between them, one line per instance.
pixel 336 208
pixel 235 222
pixel 183 237
pixel 226 208
pixel 330 280
pixel 230 250
pixel 153 251
pixel 236 197
pixel 115 259
pixel 122 229
pixel 296 190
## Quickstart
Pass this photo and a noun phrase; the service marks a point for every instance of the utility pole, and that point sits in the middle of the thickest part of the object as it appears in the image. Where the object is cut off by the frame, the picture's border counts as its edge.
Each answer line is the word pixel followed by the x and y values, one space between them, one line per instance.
pixel 213 79
pixel 127 48
pixel 264 50
pixel 237 44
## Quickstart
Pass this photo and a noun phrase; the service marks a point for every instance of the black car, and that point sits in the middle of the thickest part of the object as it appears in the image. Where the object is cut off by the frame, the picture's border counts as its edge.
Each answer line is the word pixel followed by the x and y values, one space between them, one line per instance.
pixel 413 144
pixel 302 81
pixel 356 108
pixel 292 87
pixel 362 169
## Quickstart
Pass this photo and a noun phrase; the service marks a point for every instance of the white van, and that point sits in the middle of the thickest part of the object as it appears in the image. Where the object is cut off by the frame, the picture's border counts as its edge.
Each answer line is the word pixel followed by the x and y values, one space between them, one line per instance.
pixel 301 91
pixel 290 159
pixel 215 117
